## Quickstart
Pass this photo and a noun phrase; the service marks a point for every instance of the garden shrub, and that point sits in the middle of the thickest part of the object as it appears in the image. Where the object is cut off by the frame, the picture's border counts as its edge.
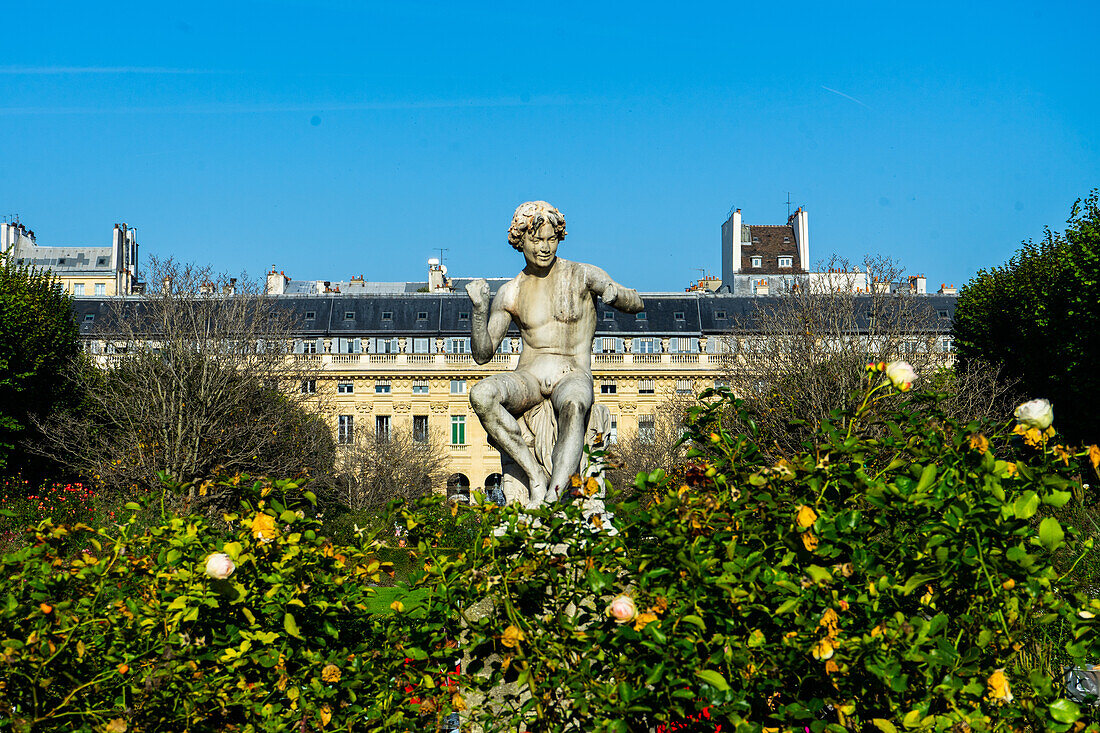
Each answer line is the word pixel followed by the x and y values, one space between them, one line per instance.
pixel 862 583
pixel 894 574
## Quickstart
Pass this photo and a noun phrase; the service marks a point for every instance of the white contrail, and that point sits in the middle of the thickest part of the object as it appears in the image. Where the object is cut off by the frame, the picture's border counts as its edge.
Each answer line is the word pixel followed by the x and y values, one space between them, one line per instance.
pixel 60 70
pixel 846 96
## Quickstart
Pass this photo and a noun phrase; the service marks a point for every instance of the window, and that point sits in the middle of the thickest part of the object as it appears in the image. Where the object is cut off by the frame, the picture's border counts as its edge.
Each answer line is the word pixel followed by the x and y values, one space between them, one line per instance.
pixel 78 289
pixel 458 346
pixel 613 431
pixel 61 260
pixel 608 388
pixel 309 347
pixel 645 346
pixel 420 428
pixel 458 386
pixel 458 430
pixel 756 261
pixel 345 430
pixel 421 346
pixel 720 315
pixel 310 315
pixel 89 317
pixel 349 315
pixel 678 315
pixel 646 428
pixel 101 262
pixel 100 289
pixel 645 386
pixel 387 315
pixel 786 240
pixel 422 315
pixel 784 261
pixel 947 344
pixel 420 386
pixel 640 316
pixel 944 315
pixel 683 386
pixel 680 345
pixel 382 386
pixel 382 427
pixel 386 346
pixel 309 386
pixel 606 345
pixel 609 315
pixel 756 239
pixel 463 316
pixel 345 388
pixel 720 384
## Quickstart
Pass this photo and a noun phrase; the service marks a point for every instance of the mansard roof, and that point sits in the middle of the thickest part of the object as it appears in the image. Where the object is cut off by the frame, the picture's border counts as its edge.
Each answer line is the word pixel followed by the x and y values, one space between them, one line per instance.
pixel 769 242
pixel 665 314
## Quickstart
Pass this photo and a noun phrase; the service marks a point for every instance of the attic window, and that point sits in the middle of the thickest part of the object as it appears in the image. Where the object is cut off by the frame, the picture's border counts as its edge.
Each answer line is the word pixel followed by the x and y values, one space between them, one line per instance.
pixel 640 316
pixel 944 315
pixel 310 315
pixel 61 260
pixel 786 240
pixel 756 239
pixel 349 315
pixel 89 317
pixel 678 315
pixel 609 315
pixel 463 316
pixel 784 261
pixel 720 315
pixel 756 261
pixel 387 315
pixel 101 262
pixel 422 315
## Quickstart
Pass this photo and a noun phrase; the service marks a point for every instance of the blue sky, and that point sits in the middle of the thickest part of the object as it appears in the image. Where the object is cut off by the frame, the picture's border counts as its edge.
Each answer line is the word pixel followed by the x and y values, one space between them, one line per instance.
pixel 342 138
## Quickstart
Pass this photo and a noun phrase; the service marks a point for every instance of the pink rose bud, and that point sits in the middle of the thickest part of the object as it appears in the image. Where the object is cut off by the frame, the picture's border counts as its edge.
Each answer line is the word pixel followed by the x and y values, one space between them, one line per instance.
pixel 219 566
pixel 622 609
pixel 901 374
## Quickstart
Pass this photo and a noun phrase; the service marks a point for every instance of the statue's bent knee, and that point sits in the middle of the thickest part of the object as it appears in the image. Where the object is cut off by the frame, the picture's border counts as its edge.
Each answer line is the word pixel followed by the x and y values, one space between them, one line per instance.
pixel 484 397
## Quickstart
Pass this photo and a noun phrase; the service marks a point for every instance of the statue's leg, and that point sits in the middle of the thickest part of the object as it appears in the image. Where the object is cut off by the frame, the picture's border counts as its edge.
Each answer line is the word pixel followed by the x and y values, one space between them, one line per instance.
pixel 497 400
pixel 572 400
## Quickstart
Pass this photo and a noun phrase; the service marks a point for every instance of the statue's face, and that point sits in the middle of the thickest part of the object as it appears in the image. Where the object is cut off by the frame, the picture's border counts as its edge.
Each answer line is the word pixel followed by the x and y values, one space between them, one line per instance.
pixel 540 247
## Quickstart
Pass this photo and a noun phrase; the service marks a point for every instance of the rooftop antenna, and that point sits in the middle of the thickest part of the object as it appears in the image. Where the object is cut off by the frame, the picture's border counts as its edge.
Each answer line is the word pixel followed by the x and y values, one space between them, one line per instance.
pixel 788 204
pixel 441 251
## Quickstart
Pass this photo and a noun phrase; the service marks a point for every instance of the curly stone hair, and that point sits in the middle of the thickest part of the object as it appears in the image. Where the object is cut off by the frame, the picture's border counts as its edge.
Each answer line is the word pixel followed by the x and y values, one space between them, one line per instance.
pixel 531 215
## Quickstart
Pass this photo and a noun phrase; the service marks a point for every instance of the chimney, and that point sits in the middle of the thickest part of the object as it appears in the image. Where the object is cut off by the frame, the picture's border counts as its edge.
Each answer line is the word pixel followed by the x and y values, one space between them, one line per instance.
pixel 276 282
pixel 800 223
pixel 731 249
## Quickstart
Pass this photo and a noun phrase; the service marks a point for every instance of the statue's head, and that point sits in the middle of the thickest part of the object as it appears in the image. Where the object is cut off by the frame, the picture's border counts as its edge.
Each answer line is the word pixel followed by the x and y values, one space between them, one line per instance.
pixel 529 218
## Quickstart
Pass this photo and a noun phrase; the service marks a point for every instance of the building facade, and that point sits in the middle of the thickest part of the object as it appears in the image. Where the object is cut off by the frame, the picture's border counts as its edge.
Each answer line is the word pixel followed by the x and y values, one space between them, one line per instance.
pixel 82 271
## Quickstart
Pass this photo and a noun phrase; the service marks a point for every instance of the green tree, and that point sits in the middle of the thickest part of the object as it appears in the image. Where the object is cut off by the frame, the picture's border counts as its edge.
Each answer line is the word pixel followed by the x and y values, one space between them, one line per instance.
pixel 1038 317
pixel 39 341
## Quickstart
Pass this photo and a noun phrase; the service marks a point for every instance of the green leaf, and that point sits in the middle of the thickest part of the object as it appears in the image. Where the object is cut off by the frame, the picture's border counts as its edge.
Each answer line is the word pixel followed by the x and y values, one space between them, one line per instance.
pixel 1057 499
pixel 291 626
pixel 694 621
pixel 1050 533
pixel 927 476
pixel 713 679
pixel 132 506
pixel 818 574
pixel 1026 506
pixel 1065 711
pixel 884 725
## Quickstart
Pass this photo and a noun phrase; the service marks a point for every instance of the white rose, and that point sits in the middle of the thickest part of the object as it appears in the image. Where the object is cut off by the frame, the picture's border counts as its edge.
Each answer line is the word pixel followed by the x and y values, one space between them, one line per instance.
pixel 1035 414
pixel 901 374
pixel 219 566
pixel 622 609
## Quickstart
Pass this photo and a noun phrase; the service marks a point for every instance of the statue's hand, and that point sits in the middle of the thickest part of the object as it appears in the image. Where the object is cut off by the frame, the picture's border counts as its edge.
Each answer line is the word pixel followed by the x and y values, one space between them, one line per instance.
pixel 610 294
pixel 478 290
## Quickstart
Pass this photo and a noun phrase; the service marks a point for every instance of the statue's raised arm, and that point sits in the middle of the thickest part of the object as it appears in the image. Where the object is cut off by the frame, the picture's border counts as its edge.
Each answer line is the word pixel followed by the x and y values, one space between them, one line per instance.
pixel 488 323
pixel 615 295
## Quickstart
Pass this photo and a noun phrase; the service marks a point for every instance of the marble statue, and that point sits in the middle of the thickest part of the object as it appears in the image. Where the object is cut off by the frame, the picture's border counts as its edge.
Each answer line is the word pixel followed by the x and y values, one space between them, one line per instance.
pixel 537 416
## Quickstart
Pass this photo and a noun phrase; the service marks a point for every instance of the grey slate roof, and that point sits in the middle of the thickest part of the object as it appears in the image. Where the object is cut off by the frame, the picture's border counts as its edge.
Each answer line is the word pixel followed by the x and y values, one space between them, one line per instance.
pixel 666 314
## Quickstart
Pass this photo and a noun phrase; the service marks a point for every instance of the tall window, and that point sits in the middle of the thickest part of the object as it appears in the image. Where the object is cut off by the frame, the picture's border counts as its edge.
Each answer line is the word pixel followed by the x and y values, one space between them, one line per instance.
pixel 385 346
pixel 78 289
pixel 420 428
pixel 346 429
pixel 309 386
pixel 645 346
pixel 646 428
pixel 458 345
pixel 100 289
pixel 458 430
pixel 382 427
pixel 458 386
pixel 309 347
pixel 421 346
pixel 420 386
pixel 645 386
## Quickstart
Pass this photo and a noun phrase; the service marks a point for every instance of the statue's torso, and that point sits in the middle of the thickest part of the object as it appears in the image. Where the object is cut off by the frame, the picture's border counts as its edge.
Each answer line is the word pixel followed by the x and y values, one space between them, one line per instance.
pixel 556 316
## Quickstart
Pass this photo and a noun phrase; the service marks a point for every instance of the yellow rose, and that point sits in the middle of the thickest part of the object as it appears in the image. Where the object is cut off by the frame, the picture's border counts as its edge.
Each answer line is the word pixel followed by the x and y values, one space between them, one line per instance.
pixel 643 620
pixel 997 688
pixel 263 527
pixel 806 516
pixel 512 636
pixel 331 674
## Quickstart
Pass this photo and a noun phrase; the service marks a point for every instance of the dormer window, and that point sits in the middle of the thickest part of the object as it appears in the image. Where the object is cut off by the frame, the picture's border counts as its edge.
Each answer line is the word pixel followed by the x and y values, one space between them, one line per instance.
pixel 756 239
pixel 349 315
pixel 422 315
pixel 784 261
pixel 463 316
pixel 786 240
pixel 101 262
pixel 387 315
pixel 609 315
pixel 310 315
pixel 61 260
pixel 720 315
pixel 678 315
pixel 756 261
